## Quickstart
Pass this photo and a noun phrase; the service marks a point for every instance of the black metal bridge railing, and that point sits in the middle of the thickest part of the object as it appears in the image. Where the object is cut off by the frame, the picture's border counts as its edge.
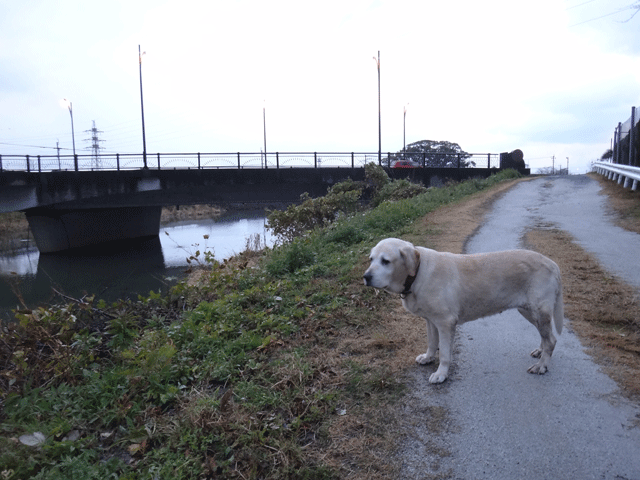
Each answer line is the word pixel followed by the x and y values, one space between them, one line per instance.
pixel 171 161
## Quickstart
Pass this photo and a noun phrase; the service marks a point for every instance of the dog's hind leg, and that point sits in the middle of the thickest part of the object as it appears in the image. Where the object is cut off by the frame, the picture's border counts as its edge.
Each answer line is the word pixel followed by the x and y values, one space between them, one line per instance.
pixel 541 318
pixel 432 348
pixel 527 314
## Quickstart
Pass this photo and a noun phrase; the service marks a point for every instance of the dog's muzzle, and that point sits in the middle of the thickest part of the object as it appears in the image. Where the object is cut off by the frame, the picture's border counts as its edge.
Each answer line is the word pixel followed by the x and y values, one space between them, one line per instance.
pixel 367 279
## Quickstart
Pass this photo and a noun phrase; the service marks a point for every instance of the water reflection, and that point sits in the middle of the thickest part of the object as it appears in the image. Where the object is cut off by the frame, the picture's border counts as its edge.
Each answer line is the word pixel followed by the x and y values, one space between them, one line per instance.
pixel 227 237
pixel 122 270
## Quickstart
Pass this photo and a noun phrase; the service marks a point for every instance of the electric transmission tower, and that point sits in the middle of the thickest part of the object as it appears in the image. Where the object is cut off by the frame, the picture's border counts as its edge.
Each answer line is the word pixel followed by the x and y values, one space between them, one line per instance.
pixel 95 146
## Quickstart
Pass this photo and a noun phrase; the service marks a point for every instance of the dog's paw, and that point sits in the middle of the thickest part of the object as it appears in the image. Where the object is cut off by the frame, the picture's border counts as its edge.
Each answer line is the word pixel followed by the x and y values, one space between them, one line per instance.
pixel 423 359
pixel 537 369
pixel 536 353
pixel 437 377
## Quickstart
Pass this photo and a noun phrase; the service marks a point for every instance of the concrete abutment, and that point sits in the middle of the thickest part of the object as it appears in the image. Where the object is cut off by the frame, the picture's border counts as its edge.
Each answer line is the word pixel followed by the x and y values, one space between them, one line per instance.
pixel 57 230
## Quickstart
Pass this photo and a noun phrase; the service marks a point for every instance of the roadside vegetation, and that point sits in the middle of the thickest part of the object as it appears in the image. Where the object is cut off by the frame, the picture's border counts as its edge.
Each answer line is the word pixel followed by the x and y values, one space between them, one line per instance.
pixel 252 370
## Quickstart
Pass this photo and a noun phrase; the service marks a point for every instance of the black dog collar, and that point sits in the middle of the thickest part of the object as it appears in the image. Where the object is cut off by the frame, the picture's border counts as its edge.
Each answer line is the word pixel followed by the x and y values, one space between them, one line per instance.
pixel 408 283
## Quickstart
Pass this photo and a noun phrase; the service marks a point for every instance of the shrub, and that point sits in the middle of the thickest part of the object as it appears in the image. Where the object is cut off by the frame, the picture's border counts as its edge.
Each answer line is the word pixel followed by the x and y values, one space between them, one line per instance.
pixel 313 213
pixel 375 176
pixel 398 190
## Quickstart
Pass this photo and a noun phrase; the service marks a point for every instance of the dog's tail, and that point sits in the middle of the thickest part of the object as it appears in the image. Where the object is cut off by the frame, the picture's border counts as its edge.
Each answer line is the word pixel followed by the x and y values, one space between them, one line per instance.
pixel 558 309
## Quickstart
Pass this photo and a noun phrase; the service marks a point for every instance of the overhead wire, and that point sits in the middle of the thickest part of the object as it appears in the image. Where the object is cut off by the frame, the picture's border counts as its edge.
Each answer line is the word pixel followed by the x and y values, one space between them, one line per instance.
pixel 620 10
pixel 580 4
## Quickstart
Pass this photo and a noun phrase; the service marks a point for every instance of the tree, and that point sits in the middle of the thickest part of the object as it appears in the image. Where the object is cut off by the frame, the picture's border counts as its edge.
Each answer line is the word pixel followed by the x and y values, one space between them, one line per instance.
pixel 432 153
pixel 634 6
pixel 607 155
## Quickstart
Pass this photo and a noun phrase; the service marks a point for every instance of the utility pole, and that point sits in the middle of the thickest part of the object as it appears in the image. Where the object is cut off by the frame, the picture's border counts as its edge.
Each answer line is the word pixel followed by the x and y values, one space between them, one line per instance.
pixel 144 139
pixel 379 116
pixel 553 165
pixel 58 149
pixel 95 145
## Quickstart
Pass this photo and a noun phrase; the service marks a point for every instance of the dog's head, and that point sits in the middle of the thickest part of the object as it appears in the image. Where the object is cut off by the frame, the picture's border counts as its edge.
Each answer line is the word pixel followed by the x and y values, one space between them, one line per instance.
pixel 392 262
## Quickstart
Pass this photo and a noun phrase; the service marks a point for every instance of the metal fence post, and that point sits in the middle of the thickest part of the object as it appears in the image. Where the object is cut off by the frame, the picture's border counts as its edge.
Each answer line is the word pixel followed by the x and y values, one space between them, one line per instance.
pixel 277 160
pixel 632 154
pixel 28 164
pixel 158 160
pixel 0 163
pixel 353 164
pixel 198 160
pixel 618 136
pixel 39 165
pixel 75 162
pixel 118 161
pixel 239 161
pixel 458 160
pixel 315 159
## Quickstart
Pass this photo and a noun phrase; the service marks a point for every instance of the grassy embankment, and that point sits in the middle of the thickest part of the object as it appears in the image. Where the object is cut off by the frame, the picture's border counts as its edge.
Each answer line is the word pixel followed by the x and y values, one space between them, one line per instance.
pixel 238 375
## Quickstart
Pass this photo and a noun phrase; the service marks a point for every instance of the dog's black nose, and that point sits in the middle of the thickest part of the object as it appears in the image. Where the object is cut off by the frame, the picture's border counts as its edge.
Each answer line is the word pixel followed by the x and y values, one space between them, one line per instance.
pixel 367 279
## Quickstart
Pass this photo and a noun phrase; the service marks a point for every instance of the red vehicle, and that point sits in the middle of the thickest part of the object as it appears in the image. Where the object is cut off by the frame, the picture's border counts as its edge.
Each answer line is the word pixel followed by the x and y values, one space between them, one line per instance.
pixel 405 164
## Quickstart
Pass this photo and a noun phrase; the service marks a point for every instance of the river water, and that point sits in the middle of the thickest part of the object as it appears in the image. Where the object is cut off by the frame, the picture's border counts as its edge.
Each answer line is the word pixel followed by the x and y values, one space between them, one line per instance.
pixel 123 270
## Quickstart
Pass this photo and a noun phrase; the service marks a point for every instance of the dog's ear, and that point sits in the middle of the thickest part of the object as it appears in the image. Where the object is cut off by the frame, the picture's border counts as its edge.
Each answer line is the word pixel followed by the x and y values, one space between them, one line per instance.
pixel 411 257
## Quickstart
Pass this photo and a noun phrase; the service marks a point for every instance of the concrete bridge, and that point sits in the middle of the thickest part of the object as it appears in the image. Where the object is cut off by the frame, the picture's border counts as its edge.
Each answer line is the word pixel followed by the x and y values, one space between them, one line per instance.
pixel 74 208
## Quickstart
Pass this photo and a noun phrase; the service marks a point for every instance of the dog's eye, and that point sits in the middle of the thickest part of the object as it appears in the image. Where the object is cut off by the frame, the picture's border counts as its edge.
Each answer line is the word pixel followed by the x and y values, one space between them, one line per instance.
pixel 384 261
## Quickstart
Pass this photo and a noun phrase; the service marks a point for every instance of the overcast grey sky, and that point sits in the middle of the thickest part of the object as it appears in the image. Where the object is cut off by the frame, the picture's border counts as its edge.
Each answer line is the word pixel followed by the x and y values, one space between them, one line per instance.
pixel 550 77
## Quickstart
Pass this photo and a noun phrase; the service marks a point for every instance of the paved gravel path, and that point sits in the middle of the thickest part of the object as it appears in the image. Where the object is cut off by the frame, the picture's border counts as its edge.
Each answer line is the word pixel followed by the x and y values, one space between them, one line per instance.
pixel 503 423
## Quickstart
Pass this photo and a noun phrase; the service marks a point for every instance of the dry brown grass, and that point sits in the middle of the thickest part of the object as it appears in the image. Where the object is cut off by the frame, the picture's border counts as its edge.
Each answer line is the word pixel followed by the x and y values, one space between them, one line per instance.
pixel 13 229
pixel 189 212
pixel 624 203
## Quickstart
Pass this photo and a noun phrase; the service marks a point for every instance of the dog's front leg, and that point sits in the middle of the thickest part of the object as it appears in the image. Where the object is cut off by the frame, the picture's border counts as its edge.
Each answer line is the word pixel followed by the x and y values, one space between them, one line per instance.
pixel 432 345
pixel 446 333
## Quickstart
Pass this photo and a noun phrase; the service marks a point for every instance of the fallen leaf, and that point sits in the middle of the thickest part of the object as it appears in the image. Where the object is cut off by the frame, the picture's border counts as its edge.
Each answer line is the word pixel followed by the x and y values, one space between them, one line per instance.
pixel 33 440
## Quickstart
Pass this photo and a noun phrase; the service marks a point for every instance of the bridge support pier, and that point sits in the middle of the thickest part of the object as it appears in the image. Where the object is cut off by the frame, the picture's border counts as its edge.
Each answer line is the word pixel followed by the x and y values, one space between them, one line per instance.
pixel 55 230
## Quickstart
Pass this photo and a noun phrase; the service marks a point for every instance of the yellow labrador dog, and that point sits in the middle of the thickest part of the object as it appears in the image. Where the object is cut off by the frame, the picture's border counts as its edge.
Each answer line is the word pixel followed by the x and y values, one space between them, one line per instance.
pixel 448 289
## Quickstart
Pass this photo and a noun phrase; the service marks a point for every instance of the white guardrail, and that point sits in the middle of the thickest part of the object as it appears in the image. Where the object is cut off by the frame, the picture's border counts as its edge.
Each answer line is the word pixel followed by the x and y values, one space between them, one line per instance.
pixel 623 174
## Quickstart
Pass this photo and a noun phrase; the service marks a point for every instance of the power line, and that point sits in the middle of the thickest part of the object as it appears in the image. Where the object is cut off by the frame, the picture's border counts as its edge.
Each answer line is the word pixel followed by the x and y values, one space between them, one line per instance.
pixel 620 10
pixel 579 5
pixel 34 146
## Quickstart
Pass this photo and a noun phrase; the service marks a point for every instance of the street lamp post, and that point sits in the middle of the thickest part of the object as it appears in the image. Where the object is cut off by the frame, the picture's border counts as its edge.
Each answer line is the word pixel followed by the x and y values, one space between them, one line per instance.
pixel 264 125
pixel 66 103
pixel 404 130
pixel 144 140
pixel 377 60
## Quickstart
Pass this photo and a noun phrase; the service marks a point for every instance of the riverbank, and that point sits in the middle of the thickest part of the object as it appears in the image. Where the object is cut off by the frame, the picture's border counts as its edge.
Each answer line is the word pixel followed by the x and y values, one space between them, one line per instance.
pixel 14 231
pixel 276 364
pixel 14 227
